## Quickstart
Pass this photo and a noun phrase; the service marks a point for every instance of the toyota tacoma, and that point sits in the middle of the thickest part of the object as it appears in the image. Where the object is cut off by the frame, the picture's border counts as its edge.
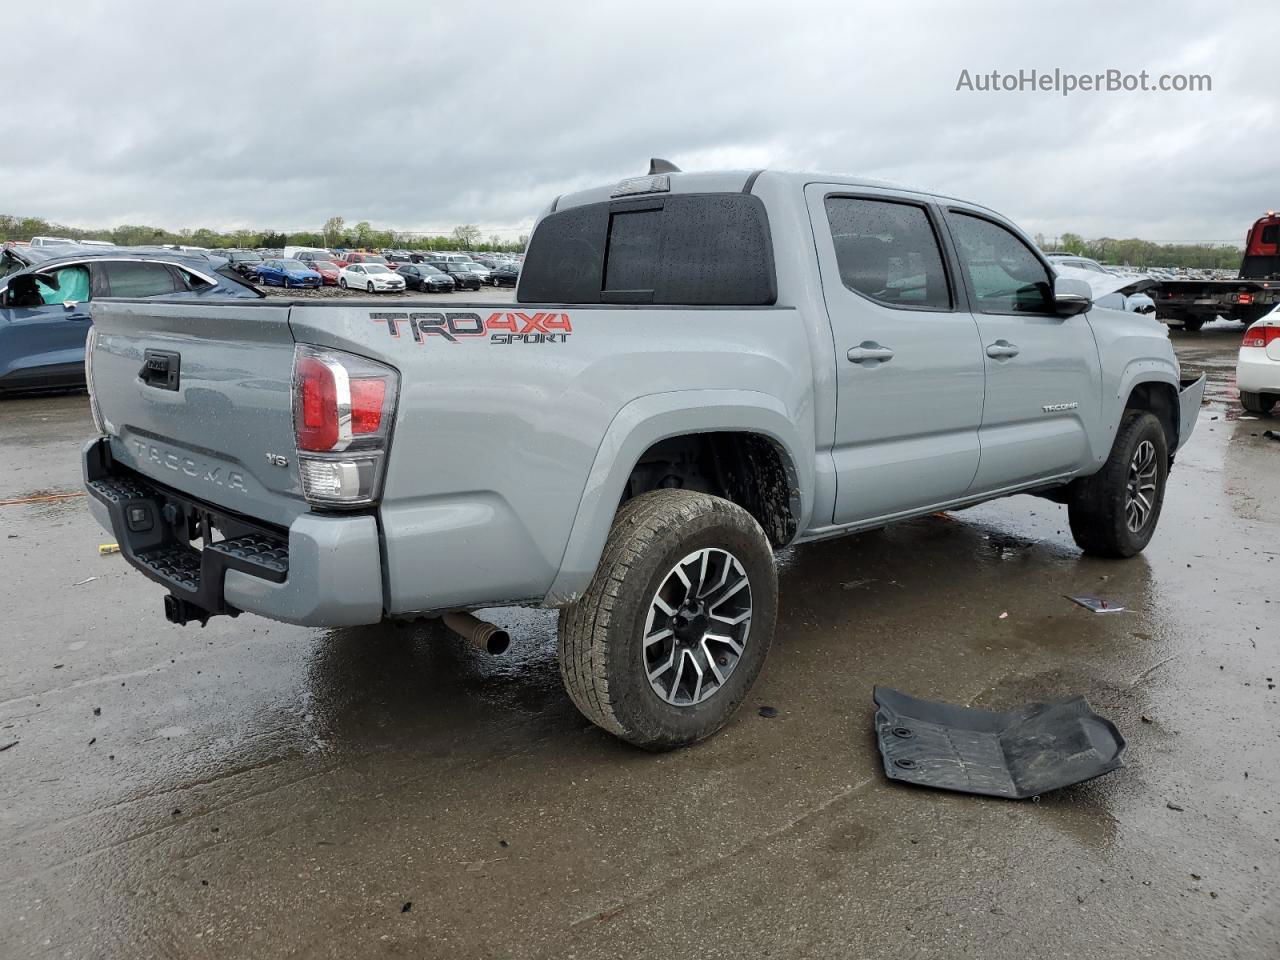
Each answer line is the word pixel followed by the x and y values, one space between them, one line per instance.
pixel 697 369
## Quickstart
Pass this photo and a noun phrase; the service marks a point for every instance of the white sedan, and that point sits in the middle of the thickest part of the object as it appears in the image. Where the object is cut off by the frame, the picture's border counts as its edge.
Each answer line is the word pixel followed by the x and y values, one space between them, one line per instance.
pixel 369 277
pixel 1258 368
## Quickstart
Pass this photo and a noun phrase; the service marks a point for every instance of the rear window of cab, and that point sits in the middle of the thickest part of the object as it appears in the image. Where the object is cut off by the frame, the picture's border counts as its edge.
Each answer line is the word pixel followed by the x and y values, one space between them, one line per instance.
pixel 695 249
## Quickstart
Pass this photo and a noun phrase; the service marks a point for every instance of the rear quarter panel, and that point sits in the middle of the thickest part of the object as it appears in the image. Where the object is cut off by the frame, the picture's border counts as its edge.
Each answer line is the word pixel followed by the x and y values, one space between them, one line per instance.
pixel 496 433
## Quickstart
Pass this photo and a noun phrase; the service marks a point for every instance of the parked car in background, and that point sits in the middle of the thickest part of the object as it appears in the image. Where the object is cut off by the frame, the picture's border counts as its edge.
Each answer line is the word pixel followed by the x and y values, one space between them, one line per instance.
pixel 51 241
pixel 1075 263
pixel 504 274
pixel 479 269
pixel 365 258
pixel 306 253
pixel 329 271
pixel 463 278
pixel 424 277
pixel 44 305
pixel 243 262
pixel 370 277
pixel 287 273
pixel 1258 366
pixel 397 256
pixel 311 256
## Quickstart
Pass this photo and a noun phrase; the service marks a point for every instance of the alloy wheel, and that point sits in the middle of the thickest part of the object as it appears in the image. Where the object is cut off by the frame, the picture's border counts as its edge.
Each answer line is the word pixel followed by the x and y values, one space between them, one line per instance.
pixel 697 627
pixel 1140 490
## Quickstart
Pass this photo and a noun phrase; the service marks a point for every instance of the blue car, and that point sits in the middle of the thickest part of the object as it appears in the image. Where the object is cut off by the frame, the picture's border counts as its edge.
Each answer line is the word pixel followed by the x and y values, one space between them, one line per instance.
pixel 44 302
pixel 287 273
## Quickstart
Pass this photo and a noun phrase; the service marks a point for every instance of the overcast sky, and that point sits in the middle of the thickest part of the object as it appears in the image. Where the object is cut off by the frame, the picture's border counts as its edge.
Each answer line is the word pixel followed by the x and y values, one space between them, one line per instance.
pixel 424 115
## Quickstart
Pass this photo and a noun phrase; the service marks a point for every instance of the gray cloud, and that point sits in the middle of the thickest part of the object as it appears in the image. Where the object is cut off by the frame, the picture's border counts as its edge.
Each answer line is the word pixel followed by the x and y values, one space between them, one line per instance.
pixel 422 116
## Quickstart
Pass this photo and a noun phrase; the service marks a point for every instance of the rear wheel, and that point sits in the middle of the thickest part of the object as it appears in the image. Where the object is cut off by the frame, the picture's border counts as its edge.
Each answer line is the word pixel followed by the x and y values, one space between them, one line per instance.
pixel 1192 324
pixel 674 628
pixel 1114 512
pixel 1257 402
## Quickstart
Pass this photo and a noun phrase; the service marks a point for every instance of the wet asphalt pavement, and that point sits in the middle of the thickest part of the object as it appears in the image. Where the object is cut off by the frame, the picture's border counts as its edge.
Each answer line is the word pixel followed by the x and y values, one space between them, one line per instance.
pixel 260 790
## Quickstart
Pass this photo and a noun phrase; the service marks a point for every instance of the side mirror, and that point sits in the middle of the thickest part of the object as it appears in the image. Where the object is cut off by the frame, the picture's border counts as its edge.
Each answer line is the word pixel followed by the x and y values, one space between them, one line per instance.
pixel 1071 296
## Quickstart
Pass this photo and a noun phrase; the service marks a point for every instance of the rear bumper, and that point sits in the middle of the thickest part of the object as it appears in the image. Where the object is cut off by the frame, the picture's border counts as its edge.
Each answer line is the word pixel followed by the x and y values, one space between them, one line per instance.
pixel 1256 372
pixel 1190 396
pixel 323 570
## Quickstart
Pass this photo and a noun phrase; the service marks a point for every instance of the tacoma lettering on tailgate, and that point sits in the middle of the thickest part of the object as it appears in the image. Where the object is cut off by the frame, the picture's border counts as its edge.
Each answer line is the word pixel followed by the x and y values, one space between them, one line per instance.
pixel 231 479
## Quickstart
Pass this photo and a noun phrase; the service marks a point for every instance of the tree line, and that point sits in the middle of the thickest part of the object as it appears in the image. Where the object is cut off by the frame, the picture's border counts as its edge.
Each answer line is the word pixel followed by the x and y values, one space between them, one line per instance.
pixel 1143 253
pixel 336 232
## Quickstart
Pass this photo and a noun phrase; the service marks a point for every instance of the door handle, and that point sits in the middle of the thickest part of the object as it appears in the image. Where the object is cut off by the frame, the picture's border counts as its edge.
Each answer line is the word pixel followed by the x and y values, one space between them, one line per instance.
pixel 1002 350
pixel 869 350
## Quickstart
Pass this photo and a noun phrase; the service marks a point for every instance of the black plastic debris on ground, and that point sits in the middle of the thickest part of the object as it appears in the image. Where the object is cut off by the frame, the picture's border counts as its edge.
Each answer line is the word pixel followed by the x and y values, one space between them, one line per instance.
pixel 1018 754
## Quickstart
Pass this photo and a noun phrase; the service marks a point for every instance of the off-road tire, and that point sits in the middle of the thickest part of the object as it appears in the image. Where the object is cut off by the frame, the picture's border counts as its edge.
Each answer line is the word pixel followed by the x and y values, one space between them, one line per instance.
pixel 1097 505
pixel 601 636
pixel 1260 403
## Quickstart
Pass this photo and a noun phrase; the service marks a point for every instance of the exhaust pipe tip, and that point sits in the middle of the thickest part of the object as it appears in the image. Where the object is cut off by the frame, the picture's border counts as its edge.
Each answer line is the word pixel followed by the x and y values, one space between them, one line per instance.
pixel 488 637
pixel 497 642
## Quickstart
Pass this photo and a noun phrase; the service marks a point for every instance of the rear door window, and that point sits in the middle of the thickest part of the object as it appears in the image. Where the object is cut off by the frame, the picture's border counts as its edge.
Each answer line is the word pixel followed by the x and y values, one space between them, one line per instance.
pixel 136 278
pixel 888 251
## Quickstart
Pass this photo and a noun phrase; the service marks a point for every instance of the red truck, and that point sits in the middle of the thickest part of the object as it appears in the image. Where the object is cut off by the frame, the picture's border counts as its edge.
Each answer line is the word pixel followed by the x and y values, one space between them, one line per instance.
pixel 1250 296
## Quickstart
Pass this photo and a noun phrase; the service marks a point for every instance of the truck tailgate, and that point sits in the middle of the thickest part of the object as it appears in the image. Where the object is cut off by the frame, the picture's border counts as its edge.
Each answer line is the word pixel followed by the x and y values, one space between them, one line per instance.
pixel 199 397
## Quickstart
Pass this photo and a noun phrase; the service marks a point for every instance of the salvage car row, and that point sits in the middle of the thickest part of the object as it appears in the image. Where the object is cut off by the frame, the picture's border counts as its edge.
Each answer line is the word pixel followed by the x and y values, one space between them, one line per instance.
pixel 390 271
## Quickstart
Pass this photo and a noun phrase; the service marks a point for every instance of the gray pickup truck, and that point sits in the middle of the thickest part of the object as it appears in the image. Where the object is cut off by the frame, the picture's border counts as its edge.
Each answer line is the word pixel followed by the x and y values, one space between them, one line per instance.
pixel 698 369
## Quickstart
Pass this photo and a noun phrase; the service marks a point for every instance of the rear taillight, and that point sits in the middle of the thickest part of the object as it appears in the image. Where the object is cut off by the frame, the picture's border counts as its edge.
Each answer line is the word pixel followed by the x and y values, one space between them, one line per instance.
pixel 343 407
pixel 1260 335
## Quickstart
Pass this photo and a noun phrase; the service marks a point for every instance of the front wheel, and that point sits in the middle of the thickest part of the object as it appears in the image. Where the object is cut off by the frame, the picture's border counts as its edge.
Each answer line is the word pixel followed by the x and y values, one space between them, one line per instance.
pixel 1114 512
pixel 675 627
pixel 1260 403
pixel 343 283
pixel 1192 324
pixel 369 287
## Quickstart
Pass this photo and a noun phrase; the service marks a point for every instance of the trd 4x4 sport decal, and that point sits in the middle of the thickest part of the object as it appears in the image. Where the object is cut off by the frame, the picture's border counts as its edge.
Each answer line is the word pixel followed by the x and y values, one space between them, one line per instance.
pixel 500 327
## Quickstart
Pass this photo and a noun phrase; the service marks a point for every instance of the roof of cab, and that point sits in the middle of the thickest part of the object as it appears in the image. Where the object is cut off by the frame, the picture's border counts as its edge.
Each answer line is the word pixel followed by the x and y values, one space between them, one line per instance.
pixel 733 181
